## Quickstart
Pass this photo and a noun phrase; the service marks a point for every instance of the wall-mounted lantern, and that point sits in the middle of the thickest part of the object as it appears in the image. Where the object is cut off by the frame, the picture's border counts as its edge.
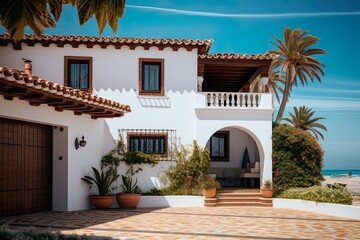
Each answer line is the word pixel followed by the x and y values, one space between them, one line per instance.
pixel 81 143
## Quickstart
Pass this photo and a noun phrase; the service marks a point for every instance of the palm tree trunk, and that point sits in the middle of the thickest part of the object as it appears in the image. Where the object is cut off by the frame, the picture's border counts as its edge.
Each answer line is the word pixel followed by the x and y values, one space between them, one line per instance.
pixel 284 100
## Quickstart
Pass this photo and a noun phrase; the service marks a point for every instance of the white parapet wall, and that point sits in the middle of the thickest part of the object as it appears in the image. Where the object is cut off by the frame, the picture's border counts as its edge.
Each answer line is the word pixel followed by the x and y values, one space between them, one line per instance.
pixel 171 201
pixel 339 210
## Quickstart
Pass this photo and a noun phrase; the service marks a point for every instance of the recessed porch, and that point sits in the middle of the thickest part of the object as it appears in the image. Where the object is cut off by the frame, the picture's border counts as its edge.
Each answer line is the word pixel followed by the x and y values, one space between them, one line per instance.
pixel 235 158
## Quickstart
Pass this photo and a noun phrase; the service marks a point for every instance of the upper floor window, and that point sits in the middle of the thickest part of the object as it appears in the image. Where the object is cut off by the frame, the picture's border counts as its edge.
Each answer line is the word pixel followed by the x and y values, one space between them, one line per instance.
pixel 151 144
pixel 151 76
pixel 219 146
pixel 78 73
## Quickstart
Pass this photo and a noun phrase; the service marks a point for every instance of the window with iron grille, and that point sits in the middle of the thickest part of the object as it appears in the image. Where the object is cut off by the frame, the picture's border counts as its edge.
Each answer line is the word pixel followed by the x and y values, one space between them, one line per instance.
pixel 162 142
pixel 152 144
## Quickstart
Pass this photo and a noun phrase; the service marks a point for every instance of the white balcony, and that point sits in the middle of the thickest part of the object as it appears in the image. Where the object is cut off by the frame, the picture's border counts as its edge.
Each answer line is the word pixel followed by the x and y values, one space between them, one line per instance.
pixel 234 100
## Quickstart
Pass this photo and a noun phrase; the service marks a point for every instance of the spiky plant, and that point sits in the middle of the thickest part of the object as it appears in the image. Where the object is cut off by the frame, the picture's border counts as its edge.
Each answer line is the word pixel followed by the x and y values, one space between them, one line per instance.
pixel 303 119
pixel 102 180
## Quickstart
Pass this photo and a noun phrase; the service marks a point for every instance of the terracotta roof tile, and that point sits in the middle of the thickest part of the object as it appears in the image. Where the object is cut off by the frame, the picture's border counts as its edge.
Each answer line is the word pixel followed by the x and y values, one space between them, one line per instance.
pixel 203 46
pixel 53 90
pixel 233 56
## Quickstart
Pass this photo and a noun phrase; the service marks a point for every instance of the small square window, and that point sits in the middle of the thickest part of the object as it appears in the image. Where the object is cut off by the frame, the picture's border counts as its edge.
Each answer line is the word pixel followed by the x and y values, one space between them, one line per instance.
pixel 151 77
pixel 78 73
pixel 219 147
pixel 151 144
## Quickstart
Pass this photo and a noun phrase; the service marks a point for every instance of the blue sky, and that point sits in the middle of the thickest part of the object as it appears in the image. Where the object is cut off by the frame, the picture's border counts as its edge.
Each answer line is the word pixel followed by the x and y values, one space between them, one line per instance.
pixel 246 26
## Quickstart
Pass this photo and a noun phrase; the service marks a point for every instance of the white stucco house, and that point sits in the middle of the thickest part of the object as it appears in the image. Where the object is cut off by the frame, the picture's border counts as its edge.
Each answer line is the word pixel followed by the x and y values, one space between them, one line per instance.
pixel 156 93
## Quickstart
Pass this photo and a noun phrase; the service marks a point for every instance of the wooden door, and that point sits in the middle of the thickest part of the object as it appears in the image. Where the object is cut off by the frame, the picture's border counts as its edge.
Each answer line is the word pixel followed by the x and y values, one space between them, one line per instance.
pixel 25 167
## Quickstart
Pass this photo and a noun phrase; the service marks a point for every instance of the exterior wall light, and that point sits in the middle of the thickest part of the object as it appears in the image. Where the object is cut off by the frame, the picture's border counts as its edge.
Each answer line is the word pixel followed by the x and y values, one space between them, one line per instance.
pixel 81 143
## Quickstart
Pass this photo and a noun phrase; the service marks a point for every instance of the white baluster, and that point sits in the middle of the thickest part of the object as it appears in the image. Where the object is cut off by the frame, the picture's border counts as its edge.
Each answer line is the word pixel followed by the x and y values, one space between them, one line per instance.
pixel 220 100
pixel 257 96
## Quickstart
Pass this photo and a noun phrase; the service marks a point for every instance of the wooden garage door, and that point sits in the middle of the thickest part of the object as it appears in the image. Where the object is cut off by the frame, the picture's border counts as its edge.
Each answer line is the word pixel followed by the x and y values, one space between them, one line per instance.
pixel 25 167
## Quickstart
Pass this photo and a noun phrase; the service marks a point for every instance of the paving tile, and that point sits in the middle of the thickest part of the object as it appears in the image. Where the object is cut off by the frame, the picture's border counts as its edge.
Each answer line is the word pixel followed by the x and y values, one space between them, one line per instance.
pixel 195 223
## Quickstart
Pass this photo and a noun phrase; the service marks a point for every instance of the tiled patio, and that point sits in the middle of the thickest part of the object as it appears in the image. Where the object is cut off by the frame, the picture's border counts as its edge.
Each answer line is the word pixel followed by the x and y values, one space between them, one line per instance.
pixel 195 223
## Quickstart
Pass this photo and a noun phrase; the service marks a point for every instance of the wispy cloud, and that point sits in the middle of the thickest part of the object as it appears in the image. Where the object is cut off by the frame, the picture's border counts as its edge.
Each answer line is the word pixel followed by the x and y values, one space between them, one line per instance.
pixel 325 103
pixel 329 90
pixel 229 15
pixel 344 82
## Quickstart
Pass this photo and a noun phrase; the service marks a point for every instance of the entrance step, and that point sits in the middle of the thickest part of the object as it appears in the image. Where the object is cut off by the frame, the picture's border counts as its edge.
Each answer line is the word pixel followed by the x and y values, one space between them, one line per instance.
pixel 238 198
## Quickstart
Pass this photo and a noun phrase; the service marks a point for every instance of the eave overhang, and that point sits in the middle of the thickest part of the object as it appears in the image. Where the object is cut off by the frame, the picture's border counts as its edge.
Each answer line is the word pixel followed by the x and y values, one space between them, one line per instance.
pixel 14 83
pixel 202 46
pixel 230 72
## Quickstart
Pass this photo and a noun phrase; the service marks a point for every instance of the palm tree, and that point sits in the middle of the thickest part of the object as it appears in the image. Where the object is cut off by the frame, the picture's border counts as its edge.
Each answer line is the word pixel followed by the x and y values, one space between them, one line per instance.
pixel 272 86
pixel 15 15
pixel 296 60
pixel 303 119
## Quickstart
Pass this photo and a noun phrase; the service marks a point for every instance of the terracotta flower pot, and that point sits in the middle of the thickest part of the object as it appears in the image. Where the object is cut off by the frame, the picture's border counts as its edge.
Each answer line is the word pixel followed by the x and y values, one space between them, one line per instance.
pixel 267 193
pixel 209 192
pixel 101 202
pixel 128 200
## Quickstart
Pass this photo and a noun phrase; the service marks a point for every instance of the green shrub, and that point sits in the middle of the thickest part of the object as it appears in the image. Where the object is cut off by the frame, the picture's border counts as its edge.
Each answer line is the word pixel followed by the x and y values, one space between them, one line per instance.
pixel 297 159
pixel 31 233
pixel 184 177
pixel 332 194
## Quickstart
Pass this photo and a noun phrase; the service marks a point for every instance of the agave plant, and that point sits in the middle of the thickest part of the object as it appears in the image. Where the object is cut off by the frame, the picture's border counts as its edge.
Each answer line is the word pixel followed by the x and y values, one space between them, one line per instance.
pixel 102 180
pixel 128 186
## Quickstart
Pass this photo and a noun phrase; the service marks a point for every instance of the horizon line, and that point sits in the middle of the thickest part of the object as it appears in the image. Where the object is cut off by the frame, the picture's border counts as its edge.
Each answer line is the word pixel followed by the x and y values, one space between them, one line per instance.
pixel 230 15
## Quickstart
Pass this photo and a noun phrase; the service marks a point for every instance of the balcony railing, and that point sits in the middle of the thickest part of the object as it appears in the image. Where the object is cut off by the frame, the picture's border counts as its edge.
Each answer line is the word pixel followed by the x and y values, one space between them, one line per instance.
pixel 234 100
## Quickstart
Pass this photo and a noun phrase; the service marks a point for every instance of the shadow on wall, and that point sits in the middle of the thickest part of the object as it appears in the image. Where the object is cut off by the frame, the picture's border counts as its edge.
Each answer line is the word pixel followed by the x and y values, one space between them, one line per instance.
pixel 154 102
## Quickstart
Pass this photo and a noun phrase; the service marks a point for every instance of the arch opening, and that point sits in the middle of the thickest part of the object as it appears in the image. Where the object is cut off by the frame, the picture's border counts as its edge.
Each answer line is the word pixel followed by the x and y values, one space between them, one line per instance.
pixel 236 157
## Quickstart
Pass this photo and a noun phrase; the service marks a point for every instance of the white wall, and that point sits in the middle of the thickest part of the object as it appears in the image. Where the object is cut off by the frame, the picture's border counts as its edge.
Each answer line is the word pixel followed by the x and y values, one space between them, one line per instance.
pixel 69 192
pixel 115 77
pixel 339 210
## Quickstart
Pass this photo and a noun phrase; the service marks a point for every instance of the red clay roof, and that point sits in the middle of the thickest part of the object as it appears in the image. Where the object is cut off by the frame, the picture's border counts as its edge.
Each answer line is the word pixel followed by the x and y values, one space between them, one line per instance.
pixel 14 83
pixel 233 56
pixel 203 46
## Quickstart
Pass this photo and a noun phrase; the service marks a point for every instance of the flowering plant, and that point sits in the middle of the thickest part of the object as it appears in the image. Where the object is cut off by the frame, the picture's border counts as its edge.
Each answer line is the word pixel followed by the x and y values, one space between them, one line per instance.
pixel 209 182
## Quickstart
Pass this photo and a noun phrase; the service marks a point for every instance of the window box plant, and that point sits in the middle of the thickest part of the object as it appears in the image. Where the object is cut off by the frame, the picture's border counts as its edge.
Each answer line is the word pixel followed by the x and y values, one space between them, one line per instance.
pixel 267 189
pixel 103 180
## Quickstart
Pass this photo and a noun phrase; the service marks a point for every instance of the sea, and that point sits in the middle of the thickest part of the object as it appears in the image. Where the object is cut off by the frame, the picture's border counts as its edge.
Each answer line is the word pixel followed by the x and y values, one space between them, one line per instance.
pixel 341 173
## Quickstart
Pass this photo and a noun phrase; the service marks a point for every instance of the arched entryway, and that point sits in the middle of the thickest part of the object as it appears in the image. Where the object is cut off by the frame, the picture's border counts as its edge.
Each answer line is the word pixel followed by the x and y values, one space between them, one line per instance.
pixel 235 158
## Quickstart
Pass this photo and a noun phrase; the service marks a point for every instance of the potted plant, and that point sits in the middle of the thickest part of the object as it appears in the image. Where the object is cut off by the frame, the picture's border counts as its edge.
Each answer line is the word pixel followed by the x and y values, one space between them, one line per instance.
pixel 130 196
pixel 209 185
pixel 267 189
pixel 103 181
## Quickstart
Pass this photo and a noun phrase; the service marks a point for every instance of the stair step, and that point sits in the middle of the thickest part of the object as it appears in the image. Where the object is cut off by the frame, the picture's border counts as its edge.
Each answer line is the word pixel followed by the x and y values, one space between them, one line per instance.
pixel 239 191
pixel 238 195
pixel 266 200
pixel 238 204
pixel 266 204
pixel 210 200
pixel 237 200
pixel 210 204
